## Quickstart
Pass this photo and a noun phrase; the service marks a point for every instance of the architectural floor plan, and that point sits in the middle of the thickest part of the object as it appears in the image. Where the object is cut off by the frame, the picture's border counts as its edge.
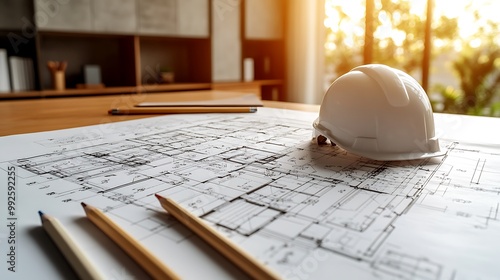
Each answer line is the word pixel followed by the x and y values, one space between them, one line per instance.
pixel 308 211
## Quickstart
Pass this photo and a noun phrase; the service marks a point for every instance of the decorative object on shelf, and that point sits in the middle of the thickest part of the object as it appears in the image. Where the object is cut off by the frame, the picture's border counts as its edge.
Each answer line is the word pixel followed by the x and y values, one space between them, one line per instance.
pixel 4 72
pixel 167 76
pixel 22 73
pixel 58 71
pixel 248 69
pixel 91 77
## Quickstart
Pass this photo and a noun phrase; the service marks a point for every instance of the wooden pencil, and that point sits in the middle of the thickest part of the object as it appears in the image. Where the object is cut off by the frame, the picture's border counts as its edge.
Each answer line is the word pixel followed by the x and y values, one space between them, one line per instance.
pixel 75 256
pixel 180 110
pixel 224 245
pixel 152 265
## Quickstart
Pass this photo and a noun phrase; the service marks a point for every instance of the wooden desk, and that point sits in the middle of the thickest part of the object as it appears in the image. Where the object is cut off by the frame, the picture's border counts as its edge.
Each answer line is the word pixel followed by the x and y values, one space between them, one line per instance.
pixel 451 208
pixel 36 115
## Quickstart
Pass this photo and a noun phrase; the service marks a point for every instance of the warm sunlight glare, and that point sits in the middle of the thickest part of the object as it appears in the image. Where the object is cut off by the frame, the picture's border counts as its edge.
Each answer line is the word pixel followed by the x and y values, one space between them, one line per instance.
pixel 460 9
pixel 354 9
pixel 467 23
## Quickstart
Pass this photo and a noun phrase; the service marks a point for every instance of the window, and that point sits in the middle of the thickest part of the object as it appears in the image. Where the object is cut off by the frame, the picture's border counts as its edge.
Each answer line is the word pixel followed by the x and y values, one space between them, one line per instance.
pixel 458 67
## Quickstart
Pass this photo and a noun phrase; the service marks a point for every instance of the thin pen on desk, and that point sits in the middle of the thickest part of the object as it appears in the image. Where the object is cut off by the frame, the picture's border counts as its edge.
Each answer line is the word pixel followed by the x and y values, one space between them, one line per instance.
pixel 224 245
pixel 152 265
pixel 180 110
pixel 78 260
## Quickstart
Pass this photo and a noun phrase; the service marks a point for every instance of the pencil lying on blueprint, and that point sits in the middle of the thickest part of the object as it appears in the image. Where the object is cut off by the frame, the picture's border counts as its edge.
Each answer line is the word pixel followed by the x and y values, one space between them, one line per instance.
pixel 152 265
pixel 224 245
pixel 78 260
pixel 180 110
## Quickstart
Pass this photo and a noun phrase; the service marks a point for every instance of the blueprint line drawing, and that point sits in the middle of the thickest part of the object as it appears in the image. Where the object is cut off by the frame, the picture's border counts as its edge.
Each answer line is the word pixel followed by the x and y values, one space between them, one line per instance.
pixel 266 185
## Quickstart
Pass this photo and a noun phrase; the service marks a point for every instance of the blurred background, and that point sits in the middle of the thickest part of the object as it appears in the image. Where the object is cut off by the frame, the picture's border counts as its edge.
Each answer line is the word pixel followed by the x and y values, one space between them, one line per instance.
pixel 287 50
pixel 451 47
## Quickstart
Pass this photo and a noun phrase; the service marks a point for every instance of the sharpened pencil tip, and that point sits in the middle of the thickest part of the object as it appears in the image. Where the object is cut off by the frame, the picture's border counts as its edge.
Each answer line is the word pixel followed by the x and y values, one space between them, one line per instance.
pixel 158 196
pixel 83 204
pixel 41 215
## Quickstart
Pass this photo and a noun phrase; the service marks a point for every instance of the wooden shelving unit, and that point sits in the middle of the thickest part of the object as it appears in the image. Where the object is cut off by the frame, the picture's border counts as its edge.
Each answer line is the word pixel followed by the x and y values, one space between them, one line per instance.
pixel 257 87
pixel 130 58
pixel 174 87
pixel 188 58
pixel 113 53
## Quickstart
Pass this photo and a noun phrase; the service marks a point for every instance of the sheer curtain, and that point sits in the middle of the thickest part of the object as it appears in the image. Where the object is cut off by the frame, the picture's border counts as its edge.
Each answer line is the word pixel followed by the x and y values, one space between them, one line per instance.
pixel 305 35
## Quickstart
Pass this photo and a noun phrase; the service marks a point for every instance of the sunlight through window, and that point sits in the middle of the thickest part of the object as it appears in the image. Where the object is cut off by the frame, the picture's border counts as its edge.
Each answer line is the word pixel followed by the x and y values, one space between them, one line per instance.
pixel 463 32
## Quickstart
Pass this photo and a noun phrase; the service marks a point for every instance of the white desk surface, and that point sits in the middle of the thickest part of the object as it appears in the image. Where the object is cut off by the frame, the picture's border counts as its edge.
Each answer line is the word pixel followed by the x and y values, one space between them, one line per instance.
pixel 445 228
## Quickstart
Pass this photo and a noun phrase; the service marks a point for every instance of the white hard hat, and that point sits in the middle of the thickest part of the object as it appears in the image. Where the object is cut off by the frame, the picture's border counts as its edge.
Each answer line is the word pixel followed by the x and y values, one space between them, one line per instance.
pixel 380 113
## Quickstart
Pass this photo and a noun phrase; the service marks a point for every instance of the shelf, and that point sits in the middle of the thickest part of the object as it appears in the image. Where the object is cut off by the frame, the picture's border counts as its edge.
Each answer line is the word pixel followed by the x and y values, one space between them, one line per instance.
pixel 106 90
pixel 265 89
pixel 188 58
pixel 114 55
pixel 88 91
pixel 275 82
pixel 20 94
pixel 256 87
pixel 268 57
pixel 174 87
pixel 67 92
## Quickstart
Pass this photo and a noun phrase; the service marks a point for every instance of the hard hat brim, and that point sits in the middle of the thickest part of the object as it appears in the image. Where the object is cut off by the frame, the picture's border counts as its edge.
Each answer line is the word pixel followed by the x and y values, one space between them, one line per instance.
pixel 381 156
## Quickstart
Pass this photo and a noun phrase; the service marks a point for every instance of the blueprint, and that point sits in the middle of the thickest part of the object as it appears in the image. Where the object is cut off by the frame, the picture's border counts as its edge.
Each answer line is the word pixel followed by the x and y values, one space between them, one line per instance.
pixel 308 211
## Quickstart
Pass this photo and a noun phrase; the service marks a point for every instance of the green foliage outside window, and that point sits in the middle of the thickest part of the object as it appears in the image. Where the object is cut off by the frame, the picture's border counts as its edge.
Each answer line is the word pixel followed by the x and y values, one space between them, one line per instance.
pixel 398 41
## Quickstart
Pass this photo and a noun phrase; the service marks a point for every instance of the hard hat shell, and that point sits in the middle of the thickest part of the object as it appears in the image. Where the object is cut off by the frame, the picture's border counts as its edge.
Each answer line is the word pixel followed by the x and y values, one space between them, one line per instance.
pixel 380 113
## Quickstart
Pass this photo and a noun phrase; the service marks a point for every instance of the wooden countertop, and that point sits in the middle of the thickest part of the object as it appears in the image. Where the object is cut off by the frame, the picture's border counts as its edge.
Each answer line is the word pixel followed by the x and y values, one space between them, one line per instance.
pixel 36 115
